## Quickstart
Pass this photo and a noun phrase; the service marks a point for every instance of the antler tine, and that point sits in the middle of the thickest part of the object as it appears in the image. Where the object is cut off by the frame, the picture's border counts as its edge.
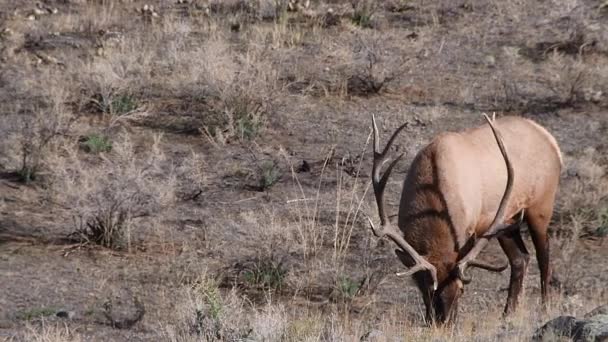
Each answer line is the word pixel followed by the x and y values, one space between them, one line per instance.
pixel 379 183
pixel 480 264
pixel 382 156
pixel 488 267
pixel 411 271
pixel 498 221
pixel 420 262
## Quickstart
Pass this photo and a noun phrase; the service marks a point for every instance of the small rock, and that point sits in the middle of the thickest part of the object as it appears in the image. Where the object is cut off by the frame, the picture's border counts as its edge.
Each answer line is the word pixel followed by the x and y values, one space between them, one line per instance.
pixel 560 326
pixel 330 18
pixel 65 314
pixel 593 328
pixel 490 60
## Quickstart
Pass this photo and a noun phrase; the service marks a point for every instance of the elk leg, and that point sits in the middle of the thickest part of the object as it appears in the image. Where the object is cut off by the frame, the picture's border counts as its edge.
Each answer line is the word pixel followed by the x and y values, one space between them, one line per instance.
pixel 515 249
pixel 538 223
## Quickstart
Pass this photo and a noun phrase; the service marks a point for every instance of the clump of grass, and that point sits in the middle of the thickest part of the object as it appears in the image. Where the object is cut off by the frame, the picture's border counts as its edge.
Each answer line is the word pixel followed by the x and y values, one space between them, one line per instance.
pixel 210 292
pixel 96 143
pixel 123 103
pixel 347 287
pixel 114 103
pixel 34 313
pixel 238 115
pixel 267 274
pixel 602 227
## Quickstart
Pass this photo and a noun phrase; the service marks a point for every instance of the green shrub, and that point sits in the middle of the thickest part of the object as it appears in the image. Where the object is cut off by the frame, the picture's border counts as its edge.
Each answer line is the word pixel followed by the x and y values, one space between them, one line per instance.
pixel 96 143
pixel 123 103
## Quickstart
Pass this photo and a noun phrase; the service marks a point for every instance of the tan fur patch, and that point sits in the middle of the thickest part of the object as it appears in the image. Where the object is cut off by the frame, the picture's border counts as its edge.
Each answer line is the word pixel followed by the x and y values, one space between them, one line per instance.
pixel 551 138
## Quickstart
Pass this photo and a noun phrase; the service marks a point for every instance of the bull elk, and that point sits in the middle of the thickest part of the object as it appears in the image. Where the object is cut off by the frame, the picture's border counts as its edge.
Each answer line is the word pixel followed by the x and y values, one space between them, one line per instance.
pixel 463 189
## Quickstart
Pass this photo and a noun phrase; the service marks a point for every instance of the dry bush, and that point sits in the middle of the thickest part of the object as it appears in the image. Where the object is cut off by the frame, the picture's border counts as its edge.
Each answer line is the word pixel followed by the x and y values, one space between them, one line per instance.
pixel 204 312
pixel 359 65
pixel 585 195
pixel 560 80
pixel 109 196
pixel 565 77
pixel 34 118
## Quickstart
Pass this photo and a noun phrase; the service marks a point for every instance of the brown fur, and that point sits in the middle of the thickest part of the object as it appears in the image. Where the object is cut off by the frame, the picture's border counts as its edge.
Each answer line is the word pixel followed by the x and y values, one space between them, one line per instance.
pixel 453 189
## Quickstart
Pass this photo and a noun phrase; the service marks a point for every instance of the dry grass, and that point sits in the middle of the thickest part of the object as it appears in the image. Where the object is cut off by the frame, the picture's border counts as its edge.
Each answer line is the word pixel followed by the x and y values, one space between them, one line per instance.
pixel 50 332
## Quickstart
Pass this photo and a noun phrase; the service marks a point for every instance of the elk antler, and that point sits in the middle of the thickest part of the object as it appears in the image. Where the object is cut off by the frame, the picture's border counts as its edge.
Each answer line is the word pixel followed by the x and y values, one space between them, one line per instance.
pixel 498 224
pixel 387 229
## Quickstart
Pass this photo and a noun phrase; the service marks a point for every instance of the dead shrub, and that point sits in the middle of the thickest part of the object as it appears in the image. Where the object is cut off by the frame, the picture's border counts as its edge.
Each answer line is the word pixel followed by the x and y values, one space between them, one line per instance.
pixel 565 77
pixel 582 208
pixel 34 119
pixel 108 196
pixel 205 313
pixel 372 77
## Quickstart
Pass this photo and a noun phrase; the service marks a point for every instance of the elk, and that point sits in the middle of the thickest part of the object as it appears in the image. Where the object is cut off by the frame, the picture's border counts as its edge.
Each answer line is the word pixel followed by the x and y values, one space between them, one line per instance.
pixel 463 189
